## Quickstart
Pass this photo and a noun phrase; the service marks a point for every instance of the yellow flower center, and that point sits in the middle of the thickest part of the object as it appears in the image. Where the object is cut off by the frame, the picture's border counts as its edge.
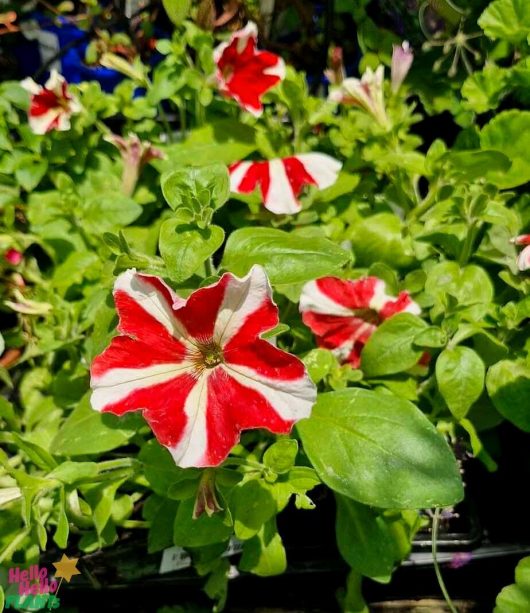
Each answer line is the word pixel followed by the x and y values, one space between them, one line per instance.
pixel 206 355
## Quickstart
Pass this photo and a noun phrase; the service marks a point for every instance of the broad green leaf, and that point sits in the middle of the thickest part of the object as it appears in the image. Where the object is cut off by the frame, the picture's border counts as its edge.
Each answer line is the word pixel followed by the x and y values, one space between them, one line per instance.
pixel 366 540
pixel 100 497
pixel 476 164
pixel 251 505
pixel 515 598
pixel 469 284
pixel 380 450
pixel 189 532
pixel 264 554
pixel 184 247
pixel 460 376
pixel 30 171
pixel 196 187
pixel 508 384
pixel 391 347
pixel 506 19
pixel 287 257
pixel 160 512
pixel 509 133
pixel 86 431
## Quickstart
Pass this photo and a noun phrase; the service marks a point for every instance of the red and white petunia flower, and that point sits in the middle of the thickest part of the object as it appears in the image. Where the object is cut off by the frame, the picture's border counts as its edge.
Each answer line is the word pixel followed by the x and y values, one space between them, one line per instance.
pixel 198 368
pixel 51 105
pixel 523 259
pixel 402 58
pixel 366 93
pixel 244 73
pixel 343 314
pixel 282 180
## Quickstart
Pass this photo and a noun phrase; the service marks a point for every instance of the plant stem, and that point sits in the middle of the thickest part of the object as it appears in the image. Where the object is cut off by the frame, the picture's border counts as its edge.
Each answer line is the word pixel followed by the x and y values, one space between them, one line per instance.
pixel 435 525
pixel 209 267
pixel 465 254
pixel 165 121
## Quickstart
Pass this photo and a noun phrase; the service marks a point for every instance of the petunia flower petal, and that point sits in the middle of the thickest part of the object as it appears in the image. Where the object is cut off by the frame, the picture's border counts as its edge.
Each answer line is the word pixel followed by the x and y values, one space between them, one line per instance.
pixel 282 180
pixel 244 73
pixel 523 259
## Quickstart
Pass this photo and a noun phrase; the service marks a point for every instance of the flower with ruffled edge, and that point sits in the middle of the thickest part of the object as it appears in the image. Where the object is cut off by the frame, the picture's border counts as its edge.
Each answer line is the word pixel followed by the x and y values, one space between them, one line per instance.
pixel 343 314
pixel 51 105
pixel 282 180
pixel 197 367
pixel 244 73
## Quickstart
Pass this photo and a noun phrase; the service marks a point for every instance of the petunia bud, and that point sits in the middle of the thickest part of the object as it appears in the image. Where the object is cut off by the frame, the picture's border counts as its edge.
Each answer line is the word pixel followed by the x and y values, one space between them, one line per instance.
pixel 402 58
pixel 135 154
pixel 206 500
pixel 366 92
pixel 13 257
pixel 336 72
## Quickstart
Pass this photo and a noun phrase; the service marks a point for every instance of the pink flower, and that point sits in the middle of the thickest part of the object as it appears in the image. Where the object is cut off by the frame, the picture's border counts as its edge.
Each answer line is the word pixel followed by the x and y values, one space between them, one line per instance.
pixel 282 180
pixel 335 73
pixel 344 314
pixel 402 58
pixel 135 154
pixel 13 256
pixel 523 259
pixel 244 73
pixel 366 93
pixel 50 106
pixel 197 367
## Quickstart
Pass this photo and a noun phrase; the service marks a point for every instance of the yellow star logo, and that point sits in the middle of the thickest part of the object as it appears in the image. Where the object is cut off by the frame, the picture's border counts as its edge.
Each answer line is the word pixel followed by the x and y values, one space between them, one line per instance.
pixel 66 567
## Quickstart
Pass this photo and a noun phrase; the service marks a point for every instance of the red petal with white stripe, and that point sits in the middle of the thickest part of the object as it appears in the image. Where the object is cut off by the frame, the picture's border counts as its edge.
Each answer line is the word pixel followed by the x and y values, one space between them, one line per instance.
pixel 281 181
pixel 343 314
pixel 244 73
pixel 197 367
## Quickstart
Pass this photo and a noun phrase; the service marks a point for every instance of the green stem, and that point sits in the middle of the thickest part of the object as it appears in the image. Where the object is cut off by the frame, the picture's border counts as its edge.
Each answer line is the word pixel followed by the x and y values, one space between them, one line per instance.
pixel 435 526
pixel 165 121
pixel 467 248
pixel 182 116
pixel 209 267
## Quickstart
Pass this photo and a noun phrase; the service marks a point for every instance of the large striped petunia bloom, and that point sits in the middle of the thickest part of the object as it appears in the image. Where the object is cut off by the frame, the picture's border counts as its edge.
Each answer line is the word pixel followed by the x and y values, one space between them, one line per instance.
pixel 282 180
pixel 51 105
pixel 244 73
pixel 197 367
pixel 343 314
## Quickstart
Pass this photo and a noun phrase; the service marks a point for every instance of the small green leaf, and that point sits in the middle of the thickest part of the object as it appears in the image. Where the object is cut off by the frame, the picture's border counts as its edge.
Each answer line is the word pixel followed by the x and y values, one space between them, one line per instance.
pixel 205 530
pixel 251 505
pixel 280 456
pixel 460 376
pixel 506 19
pixel 391 348
pixel 508 384
pixel 185 248
pixel 515 598
pixel 264 555
pixel 196 187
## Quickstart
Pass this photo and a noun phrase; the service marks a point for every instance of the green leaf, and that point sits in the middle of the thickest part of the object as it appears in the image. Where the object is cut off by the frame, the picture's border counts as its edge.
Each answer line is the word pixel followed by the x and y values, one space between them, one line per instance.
pixel 160 512
pixel 105 212
pixel 379 238
pixel 160 469
pixel 251 505
pixel 508 384
pixel 460 376
pixel 287 257
pixel 515 598
pixel 100 497
pixel 365 539
pixel 469 284
pixel 189 532
pixel 319 363
pixel 380 450
pixel 177 10
pixel 35 453
pixel 62 530
pixel 29 171
pixel 391 347
pixel 86 431
pixel 476 164
pixel 509 133
pixel 506 19
pixel 185 247
pixel 264 555
pixel 280 456
pixel 196 187
pixel 70 472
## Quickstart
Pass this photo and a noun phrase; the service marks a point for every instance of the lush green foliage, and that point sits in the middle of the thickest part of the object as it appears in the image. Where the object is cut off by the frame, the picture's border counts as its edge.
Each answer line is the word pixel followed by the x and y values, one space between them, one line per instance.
pixel 432 217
